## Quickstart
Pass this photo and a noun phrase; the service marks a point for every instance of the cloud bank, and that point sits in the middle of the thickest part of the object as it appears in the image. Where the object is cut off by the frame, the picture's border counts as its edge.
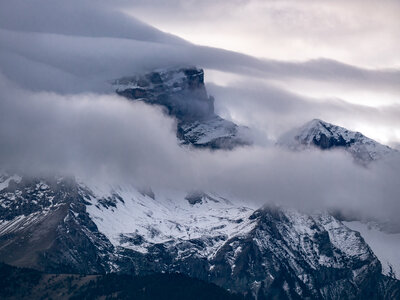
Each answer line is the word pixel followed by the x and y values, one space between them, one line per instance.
pixel 58 112
pixel 361 32
pixel 106 137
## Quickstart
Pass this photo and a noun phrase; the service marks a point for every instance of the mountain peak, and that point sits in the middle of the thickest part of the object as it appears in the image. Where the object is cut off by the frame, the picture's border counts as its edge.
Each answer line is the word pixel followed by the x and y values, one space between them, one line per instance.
pixel 325 136
pixel 182 92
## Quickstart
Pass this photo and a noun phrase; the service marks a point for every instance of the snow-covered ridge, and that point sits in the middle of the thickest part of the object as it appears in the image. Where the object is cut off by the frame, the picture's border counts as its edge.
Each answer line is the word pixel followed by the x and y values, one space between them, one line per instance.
pixel 323 135
pixel 136 221
pixel 207 226
pixel 90 228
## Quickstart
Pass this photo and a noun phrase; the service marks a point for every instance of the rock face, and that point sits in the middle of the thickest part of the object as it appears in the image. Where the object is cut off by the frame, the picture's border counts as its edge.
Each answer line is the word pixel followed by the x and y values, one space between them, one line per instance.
pixel 61 225
pixel 44 225
pixel 181 91
pixel 325 136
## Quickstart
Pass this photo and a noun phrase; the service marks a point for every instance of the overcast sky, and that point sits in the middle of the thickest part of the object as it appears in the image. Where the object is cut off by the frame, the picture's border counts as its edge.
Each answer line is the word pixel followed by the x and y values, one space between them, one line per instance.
pixel 362 33
pixel 326 52
pixel 271 65
pixel 359 32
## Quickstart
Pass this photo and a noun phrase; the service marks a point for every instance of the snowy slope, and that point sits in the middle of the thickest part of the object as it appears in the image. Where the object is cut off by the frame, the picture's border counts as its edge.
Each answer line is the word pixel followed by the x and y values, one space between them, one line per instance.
pixel 168 217
pixel 199 227
pixel 323 135
pixel 386 246
pixel 60 224
pixel 214 132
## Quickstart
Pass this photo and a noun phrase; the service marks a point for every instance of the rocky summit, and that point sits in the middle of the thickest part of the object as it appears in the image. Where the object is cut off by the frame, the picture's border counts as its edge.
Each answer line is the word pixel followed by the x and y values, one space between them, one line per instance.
pixel 61 225
pixel 182 93
pixel 326 136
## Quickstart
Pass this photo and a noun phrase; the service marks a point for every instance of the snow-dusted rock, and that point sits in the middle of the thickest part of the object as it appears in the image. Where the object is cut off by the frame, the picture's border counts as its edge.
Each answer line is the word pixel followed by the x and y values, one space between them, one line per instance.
pixel 181 91
pixel 385 245
pixel 62 225
pixel 323 135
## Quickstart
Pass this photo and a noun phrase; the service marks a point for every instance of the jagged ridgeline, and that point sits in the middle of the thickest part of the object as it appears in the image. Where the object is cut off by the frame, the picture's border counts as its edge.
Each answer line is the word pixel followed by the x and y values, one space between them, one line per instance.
pixel 59 225
pixel 63 225
pixel 181 91
pixel 326 136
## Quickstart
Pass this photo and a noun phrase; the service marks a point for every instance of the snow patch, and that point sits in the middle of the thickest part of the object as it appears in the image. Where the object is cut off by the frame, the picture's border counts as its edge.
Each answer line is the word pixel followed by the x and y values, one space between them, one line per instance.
pixel 5 180
pixel 138 221
pixel 385 245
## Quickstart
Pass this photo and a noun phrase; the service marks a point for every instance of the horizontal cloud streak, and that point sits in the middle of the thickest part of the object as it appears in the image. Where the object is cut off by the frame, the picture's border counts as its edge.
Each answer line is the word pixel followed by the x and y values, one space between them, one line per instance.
pixel 96 43
pixel 78 18
pixel 104 137
pixel 360 32
pixel 58 112
pixel 101 58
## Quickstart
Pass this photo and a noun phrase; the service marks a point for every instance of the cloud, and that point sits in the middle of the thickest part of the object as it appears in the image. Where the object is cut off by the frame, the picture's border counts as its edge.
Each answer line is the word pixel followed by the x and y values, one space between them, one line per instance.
pixel 274 110
pixel 82 133
pixel 58 112
pixel 357 32
pixel 95 43
pixel 108 138
pixel 78 18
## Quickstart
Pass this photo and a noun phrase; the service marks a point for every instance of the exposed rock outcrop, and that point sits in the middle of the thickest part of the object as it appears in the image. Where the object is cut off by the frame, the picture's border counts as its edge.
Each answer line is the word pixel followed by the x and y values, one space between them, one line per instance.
pixel 181 91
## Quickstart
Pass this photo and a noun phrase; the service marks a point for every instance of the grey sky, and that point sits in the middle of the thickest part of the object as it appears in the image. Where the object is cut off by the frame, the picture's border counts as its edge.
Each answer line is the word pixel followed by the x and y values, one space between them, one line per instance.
pixel 109 138
pixel 59 113
pixel 360 32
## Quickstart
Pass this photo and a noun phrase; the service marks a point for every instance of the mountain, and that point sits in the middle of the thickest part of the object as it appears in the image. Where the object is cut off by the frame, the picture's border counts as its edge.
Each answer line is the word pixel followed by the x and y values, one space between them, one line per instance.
pixel 61 225
pixel 382 237
pixel 326 136
pixel 182 93
pixel 384 243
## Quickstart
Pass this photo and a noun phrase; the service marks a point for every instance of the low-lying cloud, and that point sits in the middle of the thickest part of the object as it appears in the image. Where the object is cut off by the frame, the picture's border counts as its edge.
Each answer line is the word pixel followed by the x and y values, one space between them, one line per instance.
pixel 274 110
pixel 59 114
pixel 110 138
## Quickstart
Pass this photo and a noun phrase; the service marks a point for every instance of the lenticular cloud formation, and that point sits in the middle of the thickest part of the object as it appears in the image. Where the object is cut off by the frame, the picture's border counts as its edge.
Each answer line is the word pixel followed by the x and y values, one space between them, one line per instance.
pixel 59 112
pixel 128 145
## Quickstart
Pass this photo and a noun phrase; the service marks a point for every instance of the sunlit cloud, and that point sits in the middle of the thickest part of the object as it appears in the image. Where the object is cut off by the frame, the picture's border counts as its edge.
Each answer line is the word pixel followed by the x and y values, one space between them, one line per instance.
pixel 59 111
pixel 357 32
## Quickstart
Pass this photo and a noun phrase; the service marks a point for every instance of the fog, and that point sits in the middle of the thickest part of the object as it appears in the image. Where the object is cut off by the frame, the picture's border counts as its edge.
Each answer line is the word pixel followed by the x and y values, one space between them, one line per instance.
pixel 109 138
pixel 275 110
pixel 360 32
pixel 58 112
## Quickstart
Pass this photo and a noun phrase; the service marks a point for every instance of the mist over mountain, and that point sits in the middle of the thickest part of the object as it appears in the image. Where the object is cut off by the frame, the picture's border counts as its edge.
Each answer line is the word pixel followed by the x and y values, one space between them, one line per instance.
pixel 131 150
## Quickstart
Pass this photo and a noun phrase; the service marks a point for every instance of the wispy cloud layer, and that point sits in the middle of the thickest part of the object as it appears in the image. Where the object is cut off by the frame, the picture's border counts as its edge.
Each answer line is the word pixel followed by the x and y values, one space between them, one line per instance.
pixel 357 32
pixel 58 112
pixel 106 137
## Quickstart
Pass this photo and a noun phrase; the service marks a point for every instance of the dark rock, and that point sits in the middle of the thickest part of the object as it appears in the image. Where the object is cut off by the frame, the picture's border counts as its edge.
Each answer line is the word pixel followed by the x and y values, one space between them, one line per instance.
pixel 274 260
pixel 195 197
pixel 182 93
